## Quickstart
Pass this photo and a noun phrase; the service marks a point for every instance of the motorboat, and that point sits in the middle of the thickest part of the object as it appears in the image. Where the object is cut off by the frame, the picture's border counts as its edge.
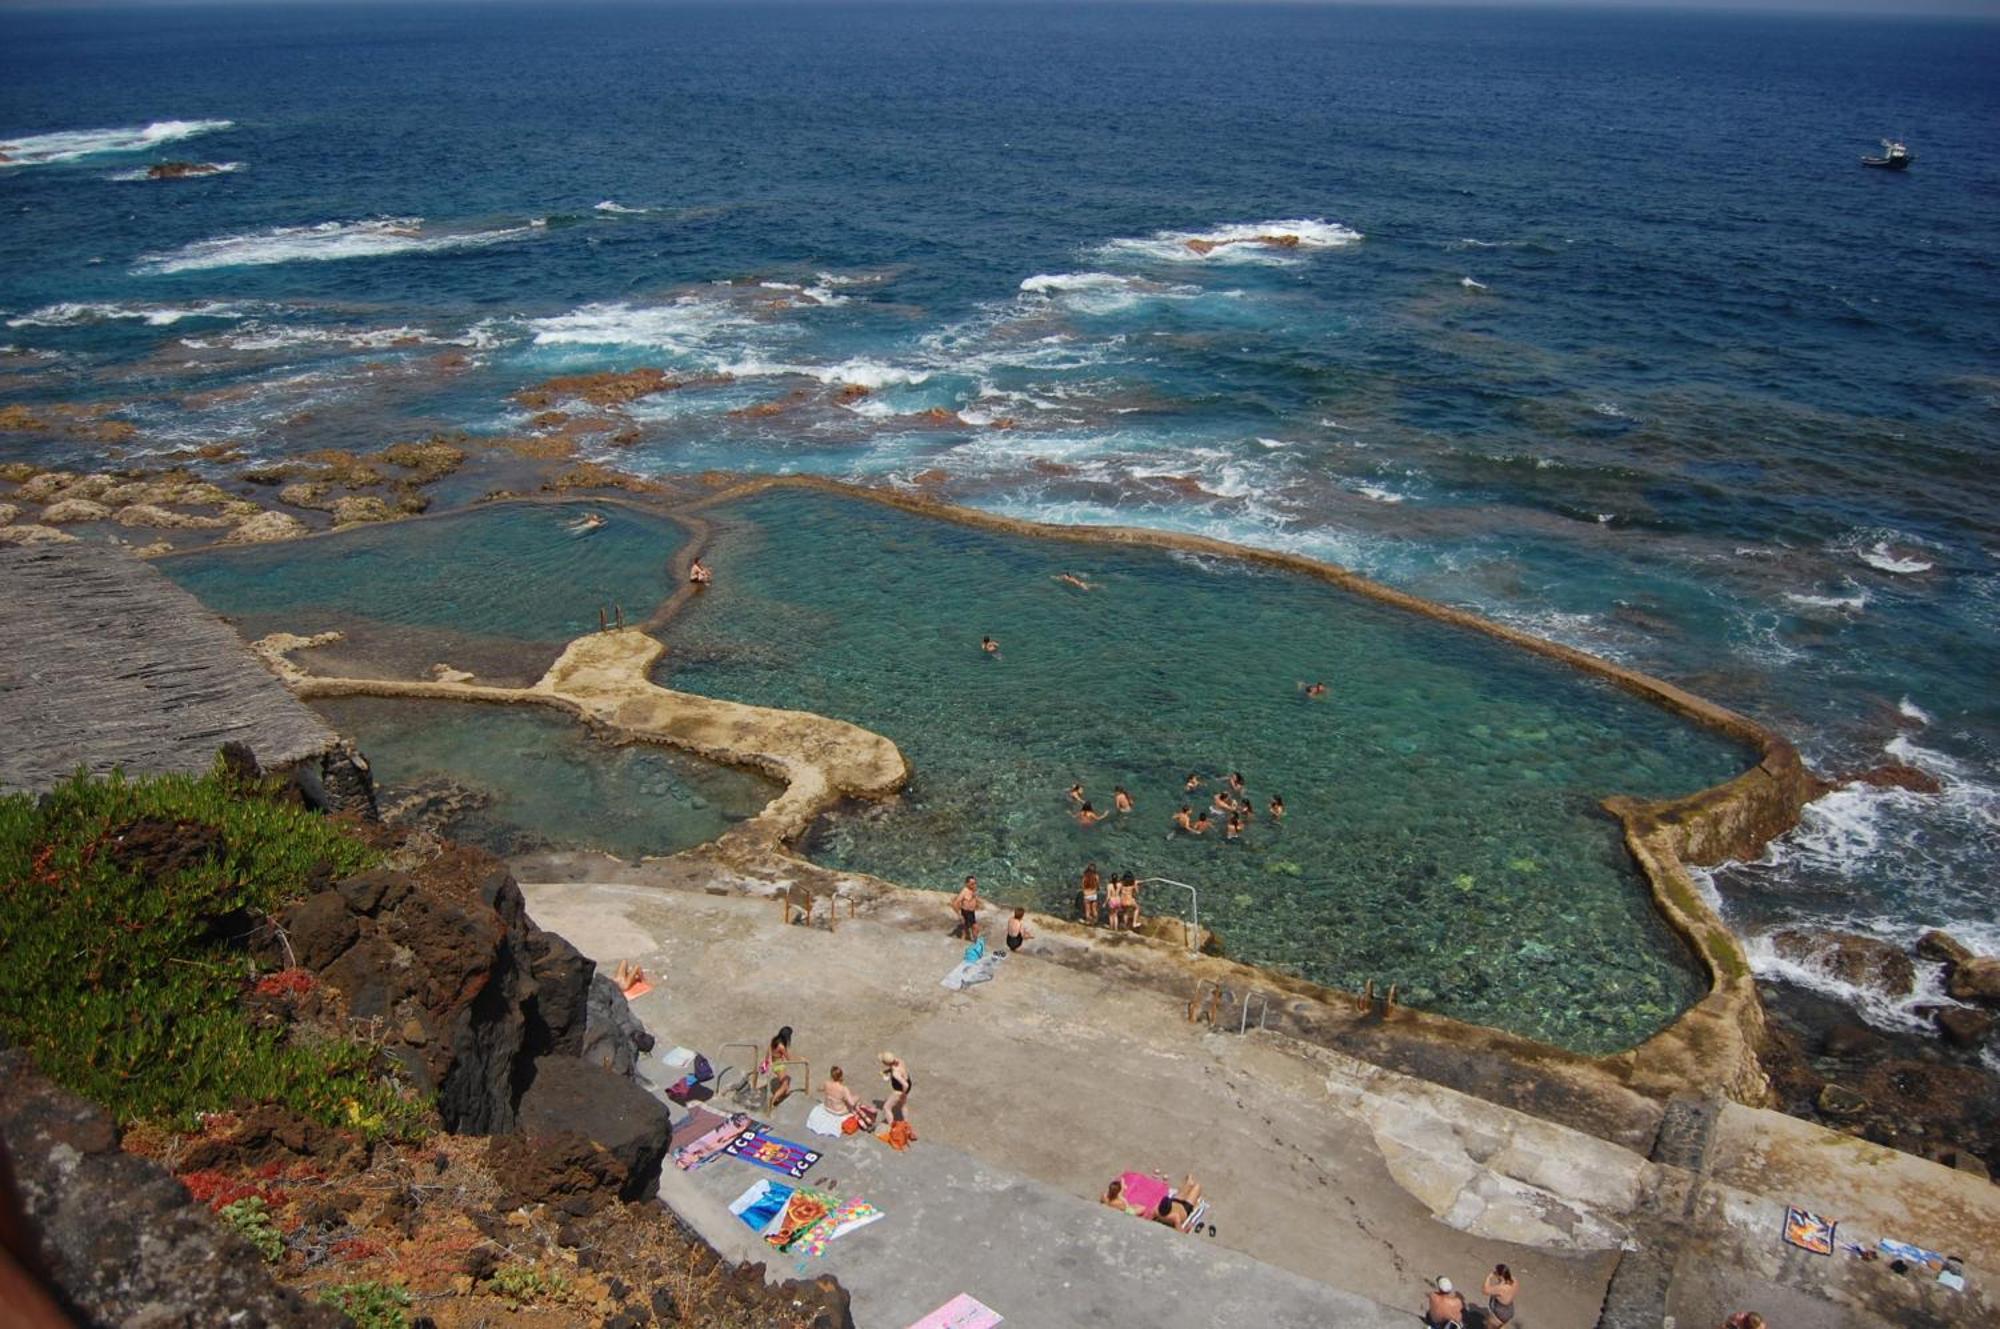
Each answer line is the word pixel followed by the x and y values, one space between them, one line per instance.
pixel 1895 157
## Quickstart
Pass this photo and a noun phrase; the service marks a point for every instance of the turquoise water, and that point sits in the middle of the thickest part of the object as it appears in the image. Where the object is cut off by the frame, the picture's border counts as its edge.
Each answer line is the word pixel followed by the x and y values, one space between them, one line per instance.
pixel 479 580
pixel 1442 831
pixel 542 781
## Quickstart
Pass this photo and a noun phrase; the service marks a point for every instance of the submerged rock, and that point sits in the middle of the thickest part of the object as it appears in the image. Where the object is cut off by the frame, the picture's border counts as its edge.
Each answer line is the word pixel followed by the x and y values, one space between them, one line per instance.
pixel 178 170
pixel 1896 775
pixel 1943 947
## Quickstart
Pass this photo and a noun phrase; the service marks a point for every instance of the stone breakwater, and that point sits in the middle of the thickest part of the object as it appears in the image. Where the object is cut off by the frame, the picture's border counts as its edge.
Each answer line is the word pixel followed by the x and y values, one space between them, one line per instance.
pixel 603 679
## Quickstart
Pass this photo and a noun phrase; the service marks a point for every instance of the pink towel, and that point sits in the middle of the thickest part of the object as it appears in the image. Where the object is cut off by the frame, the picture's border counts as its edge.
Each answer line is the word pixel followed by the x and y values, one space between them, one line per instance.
pixel 1143 1192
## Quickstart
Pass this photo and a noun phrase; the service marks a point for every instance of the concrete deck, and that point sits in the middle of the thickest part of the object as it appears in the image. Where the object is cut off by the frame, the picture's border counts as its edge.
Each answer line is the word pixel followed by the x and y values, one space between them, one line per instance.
pixel 1339 1187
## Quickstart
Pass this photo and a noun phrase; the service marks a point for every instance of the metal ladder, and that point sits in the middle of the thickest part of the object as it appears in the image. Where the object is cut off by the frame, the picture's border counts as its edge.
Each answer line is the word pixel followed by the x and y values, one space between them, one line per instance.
pixel 1211 998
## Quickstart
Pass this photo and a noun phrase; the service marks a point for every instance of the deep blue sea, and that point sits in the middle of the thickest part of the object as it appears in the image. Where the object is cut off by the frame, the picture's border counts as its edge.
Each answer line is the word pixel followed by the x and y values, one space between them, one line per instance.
pixel 1594 322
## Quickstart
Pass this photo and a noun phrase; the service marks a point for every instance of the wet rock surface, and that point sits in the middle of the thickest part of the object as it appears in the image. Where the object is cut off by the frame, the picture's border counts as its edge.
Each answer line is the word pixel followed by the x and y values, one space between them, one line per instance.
pixel 1859 961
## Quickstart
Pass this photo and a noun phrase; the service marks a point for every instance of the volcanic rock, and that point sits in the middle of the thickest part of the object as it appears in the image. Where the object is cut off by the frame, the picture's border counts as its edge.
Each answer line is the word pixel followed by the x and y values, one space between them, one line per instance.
pixel 1274 241
pixel 1838 1101
pixel 9 511
pixel 1943 947
pixel 1896 775
pixel 354 509
pixel 603 1106
pixel 1976 979
pixel 180 170
pixel 1962 1026
pixel 563 1169
pixel 145 514
pixel 1863 962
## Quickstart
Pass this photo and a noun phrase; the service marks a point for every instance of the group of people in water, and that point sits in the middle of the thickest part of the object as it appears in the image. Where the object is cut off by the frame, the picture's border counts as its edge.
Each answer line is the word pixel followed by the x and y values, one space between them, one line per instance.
pixel 1230 801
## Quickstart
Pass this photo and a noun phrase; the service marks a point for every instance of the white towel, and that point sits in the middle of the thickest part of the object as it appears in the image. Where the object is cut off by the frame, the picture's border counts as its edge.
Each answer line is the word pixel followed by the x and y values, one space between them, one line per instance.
pixel 824 1121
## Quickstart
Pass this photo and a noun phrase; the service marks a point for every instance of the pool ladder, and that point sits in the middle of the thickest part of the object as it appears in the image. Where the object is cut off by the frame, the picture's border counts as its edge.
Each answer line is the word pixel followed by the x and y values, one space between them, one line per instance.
pixel 1211 998
pixel 751 1089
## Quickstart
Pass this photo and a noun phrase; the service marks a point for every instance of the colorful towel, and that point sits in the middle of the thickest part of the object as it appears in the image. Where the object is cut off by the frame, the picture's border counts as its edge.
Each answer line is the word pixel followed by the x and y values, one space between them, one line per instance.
pixel 1915 1256
pixel 638 989
pixel 756 1145
pixel 697 1123
pixel 762 1204
pixel 961 1312
pixel 1142 1192
pixel 715 1142
pixel 805 1211
pixel 1808 1231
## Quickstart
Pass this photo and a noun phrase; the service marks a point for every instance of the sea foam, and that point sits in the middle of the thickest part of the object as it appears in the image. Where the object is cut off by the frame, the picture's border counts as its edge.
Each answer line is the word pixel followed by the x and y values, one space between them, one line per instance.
pixel 1239 243
pixel 376 237
pixel 77 314
pixel 72 144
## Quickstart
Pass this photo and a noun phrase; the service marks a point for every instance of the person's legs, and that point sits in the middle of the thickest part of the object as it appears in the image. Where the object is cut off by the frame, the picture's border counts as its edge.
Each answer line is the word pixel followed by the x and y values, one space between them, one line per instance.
pixel 780 1086
pixel 1191 1190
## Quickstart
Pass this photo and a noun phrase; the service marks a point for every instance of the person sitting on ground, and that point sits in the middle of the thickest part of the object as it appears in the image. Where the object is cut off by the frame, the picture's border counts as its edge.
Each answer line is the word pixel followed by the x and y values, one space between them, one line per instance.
pixel 779 1052
pixel 1444 1308
pixel 1120 799
pixel 966 902
pixel 1089 816
pixel 1114 1198
pixel 698 574
pixel 1017 930
pixel 1177 1210
pixel 1500 1289
pixel 844 1102
pixel 1090 880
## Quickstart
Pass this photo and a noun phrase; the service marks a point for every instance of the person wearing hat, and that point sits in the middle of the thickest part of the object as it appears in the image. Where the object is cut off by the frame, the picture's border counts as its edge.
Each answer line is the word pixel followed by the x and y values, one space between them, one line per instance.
pixel 1443 1307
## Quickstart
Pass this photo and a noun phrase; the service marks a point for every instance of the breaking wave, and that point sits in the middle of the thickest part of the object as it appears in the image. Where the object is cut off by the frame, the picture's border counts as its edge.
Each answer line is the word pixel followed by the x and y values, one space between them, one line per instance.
pixel 1271 241
pixel 72 144
pixel 377 237
pixel 71 315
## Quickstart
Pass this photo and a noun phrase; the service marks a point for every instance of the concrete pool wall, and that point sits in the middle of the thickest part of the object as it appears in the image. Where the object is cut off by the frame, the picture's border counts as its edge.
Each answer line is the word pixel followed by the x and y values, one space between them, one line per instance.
pixel 603 678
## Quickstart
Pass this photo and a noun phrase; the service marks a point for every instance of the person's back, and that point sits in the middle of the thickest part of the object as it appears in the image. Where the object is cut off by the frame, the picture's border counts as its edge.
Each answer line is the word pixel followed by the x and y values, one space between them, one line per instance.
pixel 1444 1306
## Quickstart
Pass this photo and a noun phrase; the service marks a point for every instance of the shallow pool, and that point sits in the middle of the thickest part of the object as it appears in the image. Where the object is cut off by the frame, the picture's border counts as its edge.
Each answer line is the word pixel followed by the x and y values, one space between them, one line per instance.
pixel 1443 829
pixel 513 779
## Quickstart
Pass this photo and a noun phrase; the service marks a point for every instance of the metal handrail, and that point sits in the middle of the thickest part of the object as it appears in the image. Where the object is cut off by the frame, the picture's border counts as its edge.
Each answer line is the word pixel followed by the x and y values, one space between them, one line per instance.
pixel 1194 906
pixel 791 1061
pixel 749 1080
pixel 1263 1000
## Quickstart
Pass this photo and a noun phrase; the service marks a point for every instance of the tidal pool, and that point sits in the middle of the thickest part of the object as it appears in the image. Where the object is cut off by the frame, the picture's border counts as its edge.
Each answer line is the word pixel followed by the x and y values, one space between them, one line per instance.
pixel 1443 830
pixel 513 779
pixel 497 589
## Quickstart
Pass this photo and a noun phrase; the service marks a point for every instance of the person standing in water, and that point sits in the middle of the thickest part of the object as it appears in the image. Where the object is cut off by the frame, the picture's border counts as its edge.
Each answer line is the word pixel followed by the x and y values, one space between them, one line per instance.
pixel 1277 807
pixel 990 647
pixel 698 574
pixel 1183 820
pixel 1120 799
pixel 1089 816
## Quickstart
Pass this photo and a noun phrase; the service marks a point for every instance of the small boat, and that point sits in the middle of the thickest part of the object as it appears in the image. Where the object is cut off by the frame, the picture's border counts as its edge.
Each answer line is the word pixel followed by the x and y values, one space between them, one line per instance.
pixel 1895 157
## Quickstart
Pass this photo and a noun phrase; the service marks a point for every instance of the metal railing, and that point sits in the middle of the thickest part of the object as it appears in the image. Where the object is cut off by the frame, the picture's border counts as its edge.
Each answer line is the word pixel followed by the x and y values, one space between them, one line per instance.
pixel 1193 920
pixel 749 1080
pixel 1212 999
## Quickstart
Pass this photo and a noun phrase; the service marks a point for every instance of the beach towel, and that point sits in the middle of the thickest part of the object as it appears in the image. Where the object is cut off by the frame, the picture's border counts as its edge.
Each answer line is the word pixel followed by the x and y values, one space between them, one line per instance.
pixel 1808 1231
pixel 961 1312
pixel 711 1144
pixel 1914 1256
pixel 638 989
pixel 966 974
pixel 851 1215
pixel 897 1137
pixel 822 1120
pixel 805 1211
pixel 1142 1191
pixel 758 1146
pixel 761 1205
pixel 698 1122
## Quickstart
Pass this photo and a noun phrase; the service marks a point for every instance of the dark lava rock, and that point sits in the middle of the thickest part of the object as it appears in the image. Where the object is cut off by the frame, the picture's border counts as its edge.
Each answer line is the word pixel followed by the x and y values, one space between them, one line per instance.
pixel 1851 1042
pixel 1895 775
pixel 1838 1101
pixel 156 847
pixel 1863 962
pixel 123 1242
pixel 1976 979
pixel 601 1105
pixel 564 1170
pixel 1942 947
pixel 613 1037
pixel 180 170
pixel 1962 1026
pixel 321 929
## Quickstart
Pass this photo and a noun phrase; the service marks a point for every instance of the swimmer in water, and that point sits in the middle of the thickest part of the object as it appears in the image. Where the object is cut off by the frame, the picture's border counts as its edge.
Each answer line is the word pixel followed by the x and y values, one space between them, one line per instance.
pixel 1200 826
pixel 1277 807
pixel 1076 793
pixel 990 646
pixel 1222 802
pixel 1236 782
pixel 1313 691
pixel 698 574
pixel 1193 782
pixel 1120 799
pixel 585 524
pixel 1071 579
pixel 1089 816
pixel 1184 819
pixel 1233 829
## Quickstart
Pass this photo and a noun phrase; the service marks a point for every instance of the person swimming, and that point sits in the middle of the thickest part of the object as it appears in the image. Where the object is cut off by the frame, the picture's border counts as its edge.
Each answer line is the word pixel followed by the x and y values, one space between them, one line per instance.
pixel 1089 816
pixel 990 646
pixel 1236 782
pixel 1233 828
pixel 1222 802
pixel 1193 782
pixel 1184 819
pixel 585 524
pixel 1200 826
pixel 1312 690
pixel 1277 807
pixel 1120 799
pixel 1076 793
pixel 698 574
pixel 1071 579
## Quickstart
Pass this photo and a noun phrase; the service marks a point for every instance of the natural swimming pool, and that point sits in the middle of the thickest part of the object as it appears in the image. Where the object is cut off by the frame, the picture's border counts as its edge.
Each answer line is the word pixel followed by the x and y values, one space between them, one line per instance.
pixel 496 589
pixel 540 780
pixel 1443 829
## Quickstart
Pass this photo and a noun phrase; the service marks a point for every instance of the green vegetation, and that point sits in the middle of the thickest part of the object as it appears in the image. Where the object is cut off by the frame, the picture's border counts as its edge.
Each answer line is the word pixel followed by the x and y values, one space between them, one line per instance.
pixel 123 910
pixel 370 1305
pixel 251 1218
pixel 525 1284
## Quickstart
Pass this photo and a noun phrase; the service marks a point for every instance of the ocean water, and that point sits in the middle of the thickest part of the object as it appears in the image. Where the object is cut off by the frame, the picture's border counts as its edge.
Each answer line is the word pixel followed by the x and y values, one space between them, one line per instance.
pixel 1442 829
pixel 1593 323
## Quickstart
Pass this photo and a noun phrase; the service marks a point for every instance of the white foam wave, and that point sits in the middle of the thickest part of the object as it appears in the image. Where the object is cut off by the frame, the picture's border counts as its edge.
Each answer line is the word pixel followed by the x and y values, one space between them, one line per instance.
pixel 1909 710
pixel 214 168
pixel 1244 242
pixel 683 325
pixel 1610 410
pixel 617 208
pixel 1812 970
pixel 1845 604
pixel 262 337
pixel 1471 285
pixel 1103 292
pixel 377 237
pixel 1381 495
pixel 1883 558
pixel 69 315
pixel 72 144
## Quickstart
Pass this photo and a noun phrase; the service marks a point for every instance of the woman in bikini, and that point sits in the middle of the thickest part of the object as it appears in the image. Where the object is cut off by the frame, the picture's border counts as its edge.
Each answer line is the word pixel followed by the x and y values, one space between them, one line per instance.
pixel 844 1102
pixel 1017 930
pixel 1090 893
pixel 1500 1290
pixel 698 574
pixel 900 1084
pixel 778 1053
pixel 1131 900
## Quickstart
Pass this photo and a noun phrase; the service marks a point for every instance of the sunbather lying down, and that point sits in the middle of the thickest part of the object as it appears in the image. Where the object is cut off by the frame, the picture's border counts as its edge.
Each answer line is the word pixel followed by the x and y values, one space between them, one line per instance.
pixel 631 979
pixel 1149 1197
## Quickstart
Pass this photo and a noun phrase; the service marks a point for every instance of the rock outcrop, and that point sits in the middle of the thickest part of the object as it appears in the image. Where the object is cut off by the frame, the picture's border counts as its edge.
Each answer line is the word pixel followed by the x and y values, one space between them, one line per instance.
pixel 122 1242
pixel 1863 962
pixel 178 170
